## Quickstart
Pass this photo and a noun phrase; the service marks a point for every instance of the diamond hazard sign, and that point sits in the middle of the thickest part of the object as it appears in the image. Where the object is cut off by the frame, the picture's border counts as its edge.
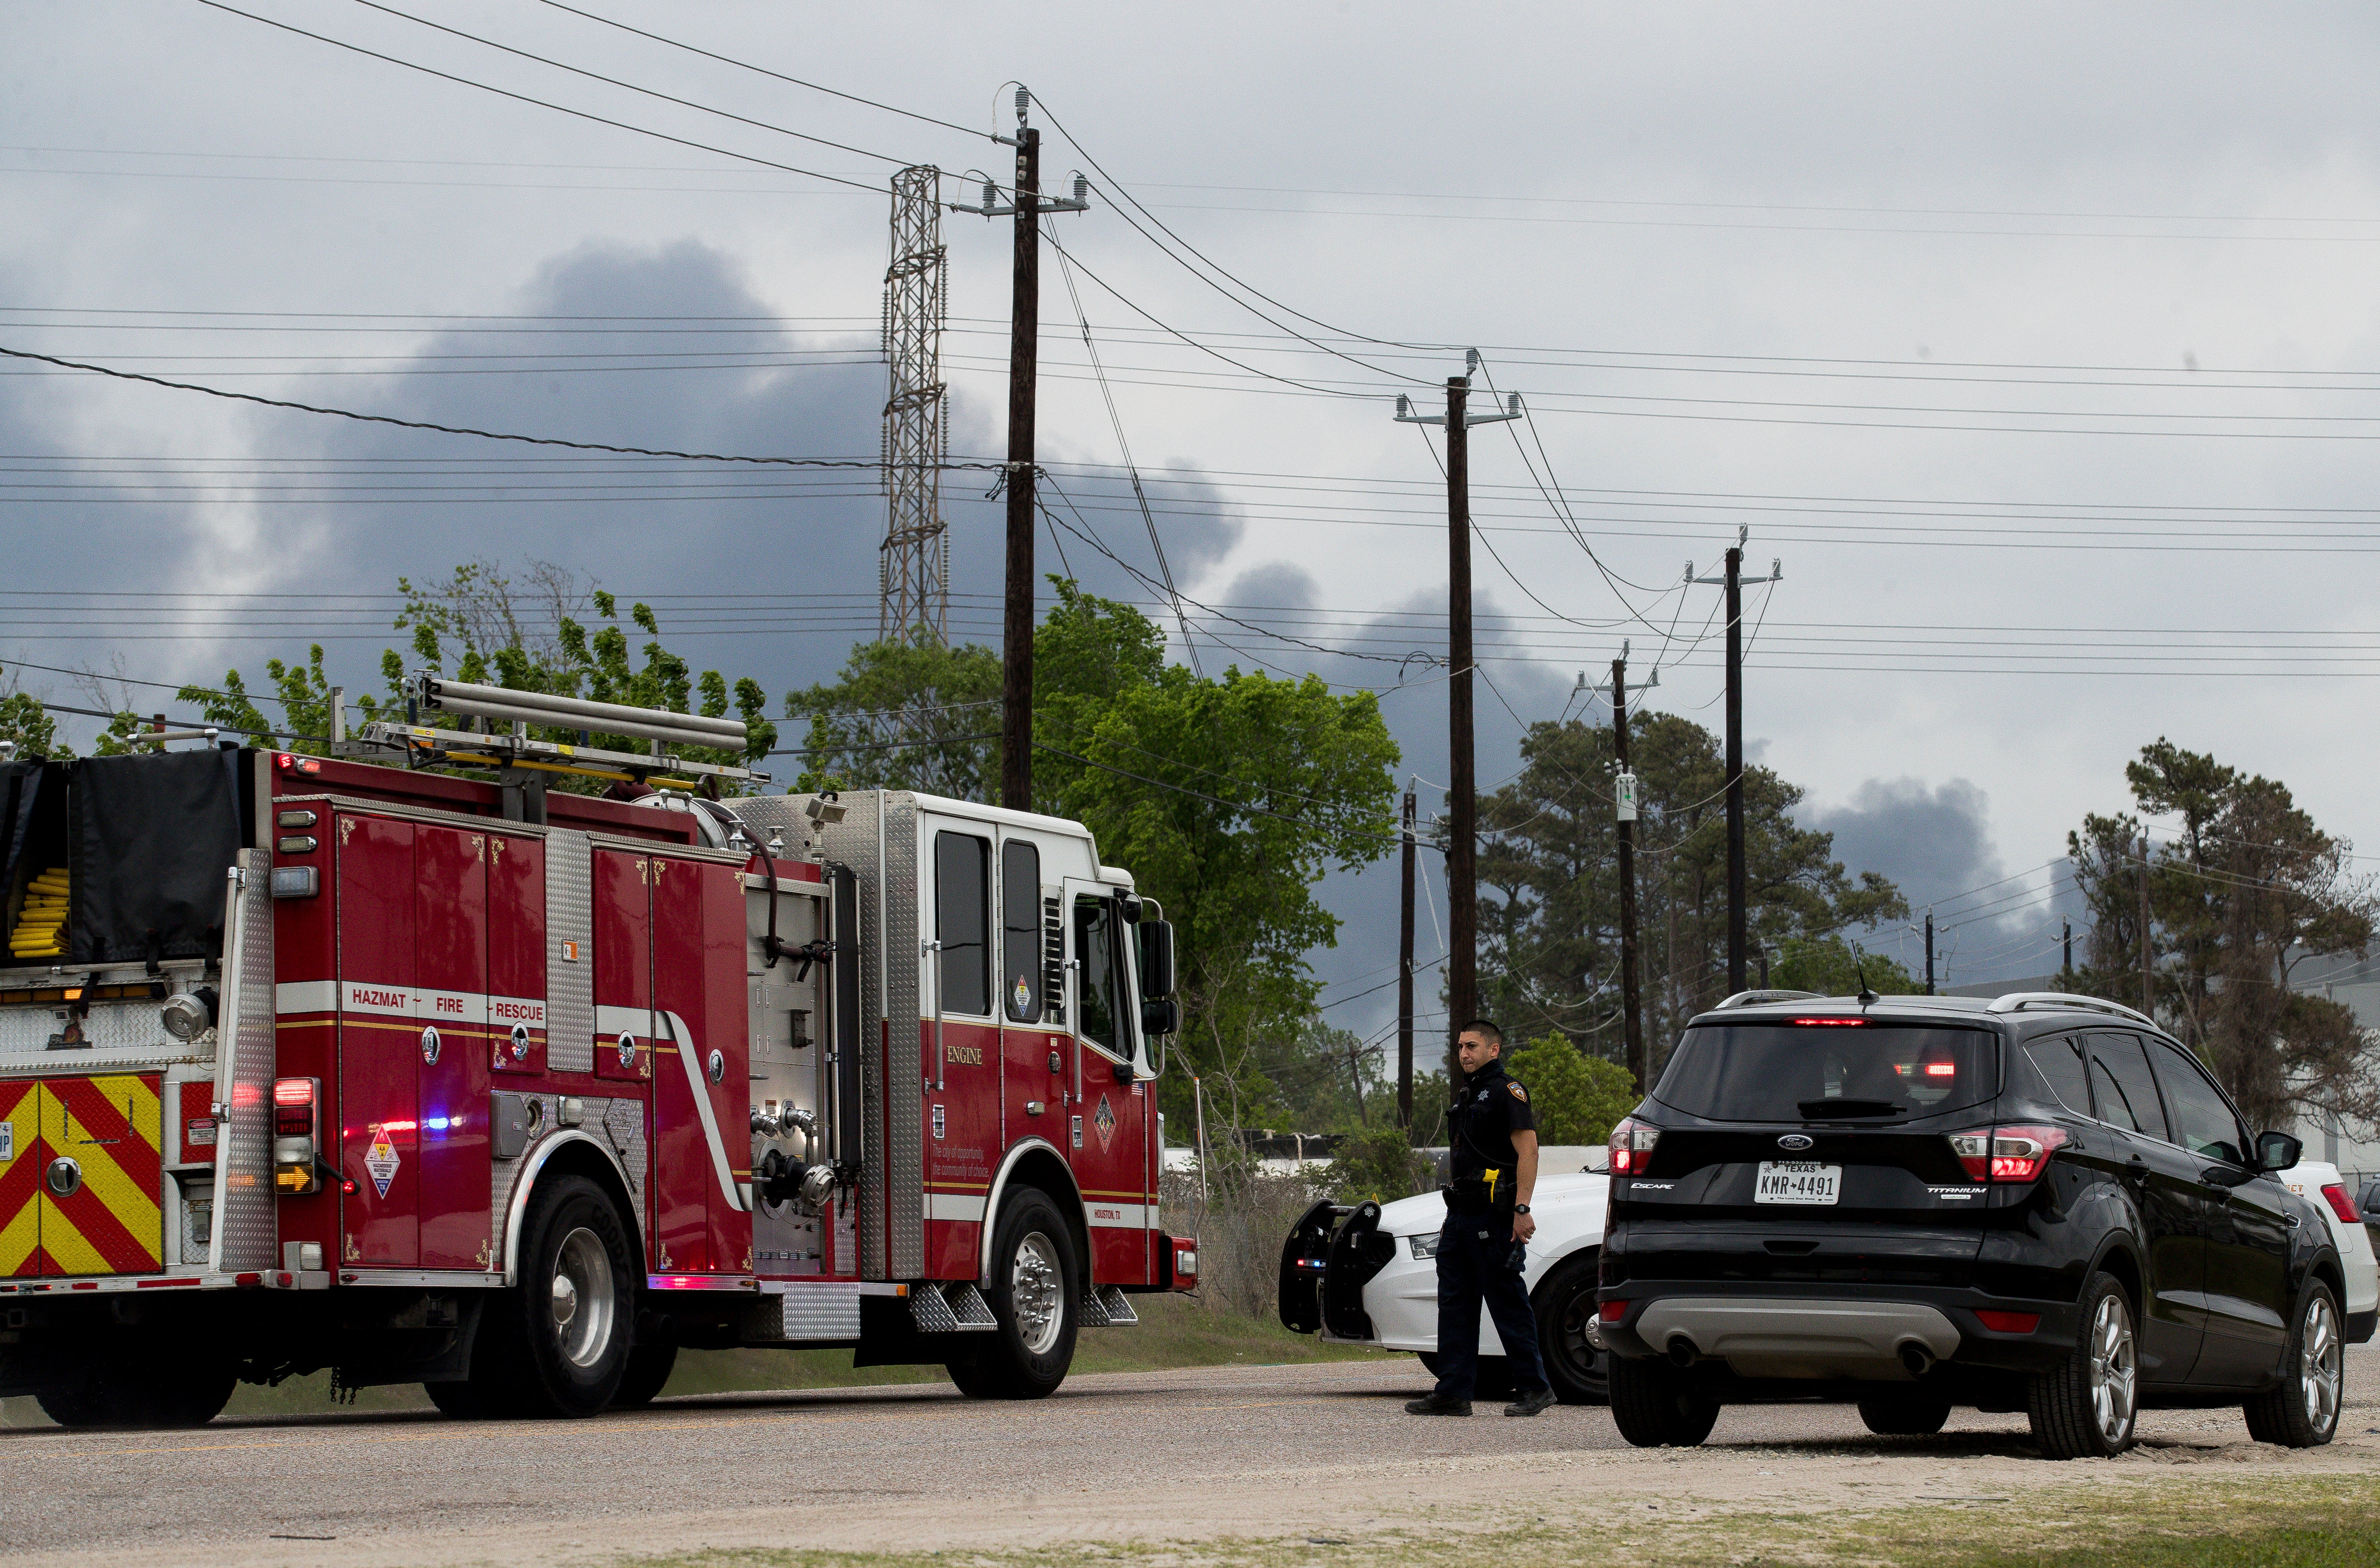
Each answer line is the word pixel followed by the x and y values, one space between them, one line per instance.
pixel 380 1160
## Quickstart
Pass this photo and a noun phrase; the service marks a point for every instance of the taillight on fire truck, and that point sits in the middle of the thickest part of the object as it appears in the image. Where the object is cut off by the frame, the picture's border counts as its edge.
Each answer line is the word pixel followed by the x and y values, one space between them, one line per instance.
pixel 296 1136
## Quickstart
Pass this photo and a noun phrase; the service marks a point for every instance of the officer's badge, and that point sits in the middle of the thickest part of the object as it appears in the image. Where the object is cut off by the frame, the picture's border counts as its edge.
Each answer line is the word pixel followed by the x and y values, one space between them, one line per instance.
pixel 1518 1092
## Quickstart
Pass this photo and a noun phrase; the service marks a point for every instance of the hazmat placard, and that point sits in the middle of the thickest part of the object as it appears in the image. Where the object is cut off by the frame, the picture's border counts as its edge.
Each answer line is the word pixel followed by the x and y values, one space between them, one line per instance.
pixel 380 1160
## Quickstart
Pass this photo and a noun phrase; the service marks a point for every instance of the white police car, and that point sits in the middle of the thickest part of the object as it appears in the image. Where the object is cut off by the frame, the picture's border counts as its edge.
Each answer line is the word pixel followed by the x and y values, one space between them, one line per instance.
pixel 1364 1273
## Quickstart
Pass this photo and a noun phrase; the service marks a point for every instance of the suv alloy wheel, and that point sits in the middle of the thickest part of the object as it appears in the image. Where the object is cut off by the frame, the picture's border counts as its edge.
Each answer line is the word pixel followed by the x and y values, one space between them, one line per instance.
pixel 2303 1411
pixel 2087 1407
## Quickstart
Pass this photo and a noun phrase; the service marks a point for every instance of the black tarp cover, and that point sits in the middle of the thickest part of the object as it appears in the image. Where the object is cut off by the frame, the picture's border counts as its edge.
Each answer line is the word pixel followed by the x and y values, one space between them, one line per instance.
pixel 151 839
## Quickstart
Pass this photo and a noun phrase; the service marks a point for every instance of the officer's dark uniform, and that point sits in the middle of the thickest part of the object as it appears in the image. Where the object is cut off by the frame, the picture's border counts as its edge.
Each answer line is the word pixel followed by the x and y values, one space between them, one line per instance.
pixel 1476 1249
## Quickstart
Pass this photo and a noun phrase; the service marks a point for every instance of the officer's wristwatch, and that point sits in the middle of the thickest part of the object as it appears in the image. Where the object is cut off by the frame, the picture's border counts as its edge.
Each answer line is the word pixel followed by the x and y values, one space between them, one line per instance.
pixel 1520 1208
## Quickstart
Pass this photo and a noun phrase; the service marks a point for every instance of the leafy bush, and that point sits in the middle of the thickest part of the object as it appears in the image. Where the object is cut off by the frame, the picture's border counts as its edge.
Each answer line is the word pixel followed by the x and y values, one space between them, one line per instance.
pixel 1577 1097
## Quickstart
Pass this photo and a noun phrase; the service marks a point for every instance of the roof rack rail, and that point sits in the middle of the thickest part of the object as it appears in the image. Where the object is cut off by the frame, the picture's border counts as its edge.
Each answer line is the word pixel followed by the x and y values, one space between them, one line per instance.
pixel 1753 998
pixel 2018 1001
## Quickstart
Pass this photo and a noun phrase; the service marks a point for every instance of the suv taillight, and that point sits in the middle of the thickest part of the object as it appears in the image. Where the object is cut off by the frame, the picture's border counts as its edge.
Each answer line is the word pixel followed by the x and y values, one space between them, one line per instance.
pixel 1632 1146
pixel 2341 1204
pixel 2007 1153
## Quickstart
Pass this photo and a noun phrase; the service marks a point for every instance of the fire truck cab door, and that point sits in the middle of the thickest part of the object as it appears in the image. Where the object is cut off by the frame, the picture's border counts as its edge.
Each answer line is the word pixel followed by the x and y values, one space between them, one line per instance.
pixel 1107 1114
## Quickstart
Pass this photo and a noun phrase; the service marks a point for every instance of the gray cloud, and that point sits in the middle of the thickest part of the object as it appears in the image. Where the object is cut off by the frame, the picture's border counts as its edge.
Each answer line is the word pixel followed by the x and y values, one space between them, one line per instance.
pixel 1933 841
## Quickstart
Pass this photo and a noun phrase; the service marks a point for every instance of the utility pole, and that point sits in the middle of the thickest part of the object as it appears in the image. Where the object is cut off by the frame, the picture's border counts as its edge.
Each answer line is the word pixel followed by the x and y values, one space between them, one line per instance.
pixel 1624 795
pixel 1929 949
pixel 1024 369
pixel 2148 952
pixel 1461 807
pixel 1405 974
pixel 1738 914
pixel 2066 940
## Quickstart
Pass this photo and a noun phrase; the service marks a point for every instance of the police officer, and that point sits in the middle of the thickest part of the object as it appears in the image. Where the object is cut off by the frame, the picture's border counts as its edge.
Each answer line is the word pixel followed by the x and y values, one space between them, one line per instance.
pixel 1492 1135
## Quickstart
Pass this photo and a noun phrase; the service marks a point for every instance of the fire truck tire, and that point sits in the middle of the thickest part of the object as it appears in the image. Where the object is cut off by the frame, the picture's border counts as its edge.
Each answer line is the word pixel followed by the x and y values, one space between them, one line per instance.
pixel 133 1390
pixel 1032 1297
pixel 649 1372
pixel 558 1343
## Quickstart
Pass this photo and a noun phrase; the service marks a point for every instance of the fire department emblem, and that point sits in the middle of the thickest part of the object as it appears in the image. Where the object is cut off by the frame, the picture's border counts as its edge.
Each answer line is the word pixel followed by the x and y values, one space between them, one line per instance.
pixel 1024 997
pixel 380 1160
pixel 1104 1118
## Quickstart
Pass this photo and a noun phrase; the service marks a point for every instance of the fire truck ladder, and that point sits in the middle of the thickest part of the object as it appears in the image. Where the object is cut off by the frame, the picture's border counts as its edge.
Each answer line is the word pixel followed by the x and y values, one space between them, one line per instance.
pixel 523 761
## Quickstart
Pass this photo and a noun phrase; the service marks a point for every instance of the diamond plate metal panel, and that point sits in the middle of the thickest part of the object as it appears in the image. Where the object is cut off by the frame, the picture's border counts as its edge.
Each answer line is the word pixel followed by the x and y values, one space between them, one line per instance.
pixel 904 1087
pixel 245 1226
pixel 969 1307
pixel 858 842
pixel 569 987
pixel 826 1311
pixel 1118 1306
pixel 932 1313
pixel 617 1124
pixel 112 1033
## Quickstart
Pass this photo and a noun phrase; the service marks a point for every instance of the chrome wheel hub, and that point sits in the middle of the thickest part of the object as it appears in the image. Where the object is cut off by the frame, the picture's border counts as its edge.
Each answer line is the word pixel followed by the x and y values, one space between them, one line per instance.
pixel 1037 1292
pixel 582 1298
pixel 2113 1369
pixel 2321 1364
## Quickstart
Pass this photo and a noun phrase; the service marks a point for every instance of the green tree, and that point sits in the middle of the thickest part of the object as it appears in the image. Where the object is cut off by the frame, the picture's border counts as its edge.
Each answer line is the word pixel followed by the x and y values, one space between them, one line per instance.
pixel 1228 797
pixel 1833 966
pixel 29 727
pixel 1378 1162
pixel 944 701
pixel 531 636
pixel 1549 865
pixel 2249 888
pixel 1578 1098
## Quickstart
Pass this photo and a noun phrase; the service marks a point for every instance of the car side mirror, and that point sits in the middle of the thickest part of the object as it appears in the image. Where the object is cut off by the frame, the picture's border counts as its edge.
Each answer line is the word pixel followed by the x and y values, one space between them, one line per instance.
pixel 2369 1204
pixel 2277 1150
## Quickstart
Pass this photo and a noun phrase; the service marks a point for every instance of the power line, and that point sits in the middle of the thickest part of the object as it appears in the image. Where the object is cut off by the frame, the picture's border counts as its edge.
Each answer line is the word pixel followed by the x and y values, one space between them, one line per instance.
pixel 539 102
pixel 463 429
pixel 632 87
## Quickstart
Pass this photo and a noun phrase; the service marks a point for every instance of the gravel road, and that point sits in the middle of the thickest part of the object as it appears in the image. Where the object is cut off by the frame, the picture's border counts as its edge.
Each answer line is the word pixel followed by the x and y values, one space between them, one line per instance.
pixel 1218 1451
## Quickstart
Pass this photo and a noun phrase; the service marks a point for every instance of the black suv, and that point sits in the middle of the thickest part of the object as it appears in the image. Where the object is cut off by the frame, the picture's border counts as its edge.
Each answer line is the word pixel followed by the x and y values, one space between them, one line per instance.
pixel 2039 1203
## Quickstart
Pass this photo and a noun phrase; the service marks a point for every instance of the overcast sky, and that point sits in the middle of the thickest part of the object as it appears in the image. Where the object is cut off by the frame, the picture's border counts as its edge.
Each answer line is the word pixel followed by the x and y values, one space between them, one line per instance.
pixel 2037 342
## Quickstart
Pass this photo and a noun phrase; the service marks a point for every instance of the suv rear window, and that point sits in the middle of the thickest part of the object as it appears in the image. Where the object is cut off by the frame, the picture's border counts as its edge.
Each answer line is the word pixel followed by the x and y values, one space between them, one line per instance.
pixel 1851 1071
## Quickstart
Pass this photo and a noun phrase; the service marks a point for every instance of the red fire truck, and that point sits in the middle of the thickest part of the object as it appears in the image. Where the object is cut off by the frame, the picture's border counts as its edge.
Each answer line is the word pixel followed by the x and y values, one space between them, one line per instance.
pixel 428 1078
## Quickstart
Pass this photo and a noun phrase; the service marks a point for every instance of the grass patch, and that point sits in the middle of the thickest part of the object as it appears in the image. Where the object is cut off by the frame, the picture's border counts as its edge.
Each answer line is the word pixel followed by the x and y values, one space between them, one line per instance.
pixel 2172 1522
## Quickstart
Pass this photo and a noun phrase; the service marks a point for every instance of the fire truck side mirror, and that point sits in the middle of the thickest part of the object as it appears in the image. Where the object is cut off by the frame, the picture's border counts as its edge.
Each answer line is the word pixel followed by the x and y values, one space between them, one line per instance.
pixel 1159 1015
pixel 1156 939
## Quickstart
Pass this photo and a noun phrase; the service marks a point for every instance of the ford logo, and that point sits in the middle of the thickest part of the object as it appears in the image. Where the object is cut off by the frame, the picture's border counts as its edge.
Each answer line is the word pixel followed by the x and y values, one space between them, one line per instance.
pixel 1796 1141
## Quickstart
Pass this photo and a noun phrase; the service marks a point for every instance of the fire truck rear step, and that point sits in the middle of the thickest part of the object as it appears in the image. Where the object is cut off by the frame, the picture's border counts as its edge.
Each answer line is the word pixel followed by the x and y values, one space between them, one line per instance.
pixel 950 1308
pixel 1107 1307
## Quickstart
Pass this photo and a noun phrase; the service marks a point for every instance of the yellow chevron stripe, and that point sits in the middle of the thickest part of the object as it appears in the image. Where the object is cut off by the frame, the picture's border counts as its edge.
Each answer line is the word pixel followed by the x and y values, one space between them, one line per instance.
pixel 132 1202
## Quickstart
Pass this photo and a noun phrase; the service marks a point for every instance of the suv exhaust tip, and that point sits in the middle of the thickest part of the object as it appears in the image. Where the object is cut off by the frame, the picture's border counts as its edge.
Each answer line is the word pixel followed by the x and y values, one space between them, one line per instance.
pixel 1916 1357
pixel 1682 1351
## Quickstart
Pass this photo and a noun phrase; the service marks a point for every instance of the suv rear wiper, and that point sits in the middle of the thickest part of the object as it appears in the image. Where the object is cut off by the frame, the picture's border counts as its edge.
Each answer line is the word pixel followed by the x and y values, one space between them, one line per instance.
pixel 1819 1110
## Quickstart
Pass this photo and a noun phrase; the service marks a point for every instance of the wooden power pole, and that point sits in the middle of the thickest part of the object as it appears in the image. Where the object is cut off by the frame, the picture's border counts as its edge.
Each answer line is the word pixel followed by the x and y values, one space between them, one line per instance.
pixel 1024 376
pixel 1631 1003
pixel 1405 972
pixel 1461 795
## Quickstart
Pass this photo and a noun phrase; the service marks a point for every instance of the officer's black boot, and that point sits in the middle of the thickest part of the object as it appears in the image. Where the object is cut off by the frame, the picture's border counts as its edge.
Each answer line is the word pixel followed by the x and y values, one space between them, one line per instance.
pixel 1438 1404
pixel 1530 1403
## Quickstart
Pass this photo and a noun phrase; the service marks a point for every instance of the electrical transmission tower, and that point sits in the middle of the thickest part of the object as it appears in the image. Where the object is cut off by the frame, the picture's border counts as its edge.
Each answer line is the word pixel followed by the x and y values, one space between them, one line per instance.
pixel 916 572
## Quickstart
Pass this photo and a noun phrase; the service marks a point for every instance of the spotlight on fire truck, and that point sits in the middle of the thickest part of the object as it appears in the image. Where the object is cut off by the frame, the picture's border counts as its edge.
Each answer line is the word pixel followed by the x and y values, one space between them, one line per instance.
pixel 467 700
pixel 825 810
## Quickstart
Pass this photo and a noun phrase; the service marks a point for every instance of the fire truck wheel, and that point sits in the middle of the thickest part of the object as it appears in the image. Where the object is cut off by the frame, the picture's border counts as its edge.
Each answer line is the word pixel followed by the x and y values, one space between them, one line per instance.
pixel 133 1390
pixel 1032 1295
pixel 649 1370
pixel 558 1345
